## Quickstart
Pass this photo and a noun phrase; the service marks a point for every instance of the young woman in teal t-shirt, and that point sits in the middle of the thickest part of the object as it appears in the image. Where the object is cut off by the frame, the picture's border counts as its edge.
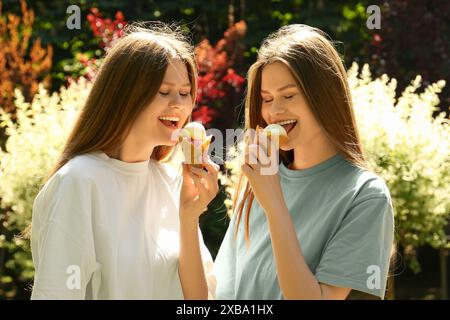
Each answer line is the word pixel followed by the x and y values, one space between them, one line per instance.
pixel 322 225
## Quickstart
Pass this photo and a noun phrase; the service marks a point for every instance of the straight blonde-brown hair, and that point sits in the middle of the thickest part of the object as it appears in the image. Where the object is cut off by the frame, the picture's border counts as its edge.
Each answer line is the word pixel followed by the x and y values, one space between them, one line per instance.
pixel 128 80
pixel 321 76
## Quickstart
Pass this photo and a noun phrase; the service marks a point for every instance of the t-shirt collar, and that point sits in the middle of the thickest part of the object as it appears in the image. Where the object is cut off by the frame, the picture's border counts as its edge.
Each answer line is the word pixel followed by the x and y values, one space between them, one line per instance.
pixel 284 171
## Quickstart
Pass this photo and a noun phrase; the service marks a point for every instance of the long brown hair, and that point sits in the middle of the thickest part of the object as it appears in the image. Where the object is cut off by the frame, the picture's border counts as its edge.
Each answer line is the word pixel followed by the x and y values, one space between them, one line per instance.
pixel 129 78
pixel 319 72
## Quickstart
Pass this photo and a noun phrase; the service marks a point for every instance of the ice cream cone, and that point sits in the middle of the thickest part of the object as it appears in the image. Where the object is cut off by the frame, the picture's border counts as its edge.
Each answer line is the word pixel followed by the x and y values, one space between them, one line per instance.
pixel 194 143
pixel 272 131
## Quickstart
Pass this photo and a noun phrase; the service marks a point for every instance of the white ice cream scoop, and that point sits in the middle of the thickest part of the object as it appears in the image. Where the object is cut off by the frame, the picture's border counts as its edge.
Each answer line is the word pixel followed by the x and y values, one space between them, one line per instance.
pixel 194 143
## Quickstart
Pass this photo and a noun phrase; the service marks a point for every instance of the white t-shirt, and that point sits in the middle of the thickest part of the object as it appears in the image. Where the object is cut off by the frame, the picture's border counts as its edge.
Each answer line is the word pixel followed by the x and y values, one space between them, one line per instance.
pixel 107 229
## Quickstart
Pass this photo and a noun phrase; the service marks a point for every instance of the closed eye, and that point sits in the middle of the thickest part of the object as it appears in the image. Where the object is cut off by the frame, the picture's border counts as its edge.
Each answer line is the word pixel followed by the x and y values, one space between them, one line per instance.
pixel 270 100
pixel 184 94
pixel 266 100
pixel 164 93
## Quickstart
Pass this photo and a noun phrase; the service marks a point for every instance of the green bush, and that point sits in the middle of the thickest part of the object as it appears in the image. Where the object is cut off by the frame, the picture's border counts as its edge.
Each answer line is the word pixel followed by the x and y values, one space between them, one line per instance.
pixel 410 149
pixel 406 146
pixel 34 142
pixel 404 143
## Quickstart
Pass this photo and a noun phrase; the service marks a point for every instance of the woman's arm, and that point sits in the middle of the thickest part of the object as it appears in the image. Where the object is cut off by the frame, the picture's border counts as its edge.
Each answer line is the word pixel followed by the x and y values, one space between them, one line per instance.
pixel 198 189
pixel 294 276
pixel 190 268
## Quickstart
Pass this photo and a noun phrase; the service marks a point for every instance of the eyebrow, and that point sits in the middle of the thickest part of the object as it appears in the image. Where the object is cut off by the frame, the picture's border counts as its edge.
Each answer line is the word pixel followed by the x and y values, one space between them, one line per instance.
pixel 173 84
pixel 288 86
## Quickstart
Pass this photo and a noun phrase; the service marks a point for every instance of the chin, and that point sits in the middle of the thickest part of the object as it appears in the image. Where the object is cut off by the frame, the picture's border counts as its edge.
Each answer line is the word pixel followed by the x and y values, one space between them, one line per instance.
pixel 287 147
pixel 290 144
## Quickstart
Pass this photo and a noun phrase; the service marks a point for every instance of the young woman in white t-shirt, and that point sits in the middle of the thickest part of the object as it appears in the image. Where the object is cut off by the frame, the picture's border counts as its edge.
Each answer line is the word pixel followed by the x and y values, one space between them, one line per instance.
pixel 115 220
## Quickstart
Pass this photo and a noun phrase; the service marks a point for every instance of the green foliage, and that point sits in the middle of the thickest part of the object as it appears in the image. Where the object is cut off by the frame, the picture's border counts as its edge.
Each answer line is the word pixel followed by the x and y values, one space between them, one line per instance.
pixel 34 142
pixel 404 143
pixel 408 148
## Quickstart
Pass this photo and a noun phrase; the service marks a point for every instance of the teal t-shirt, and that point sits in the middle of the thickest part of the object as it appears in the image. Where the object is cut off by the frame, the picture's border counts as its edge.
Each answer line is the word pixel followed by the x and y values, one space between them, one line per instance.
pixel 345 227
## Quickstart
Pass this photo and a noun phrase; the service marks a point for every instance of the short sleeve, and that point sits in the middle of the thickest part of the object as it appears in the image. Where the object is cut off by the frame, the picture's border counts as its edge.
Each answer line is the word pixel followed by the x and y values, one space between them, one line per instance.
pixel 62 240
pixel 358 254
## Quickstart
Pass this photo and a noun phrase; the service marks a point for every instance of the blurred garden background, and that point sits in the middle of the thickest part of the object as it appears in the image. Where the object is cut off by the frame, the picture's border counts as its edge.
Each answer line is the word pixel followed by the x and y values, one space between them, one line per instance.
pixel 397 75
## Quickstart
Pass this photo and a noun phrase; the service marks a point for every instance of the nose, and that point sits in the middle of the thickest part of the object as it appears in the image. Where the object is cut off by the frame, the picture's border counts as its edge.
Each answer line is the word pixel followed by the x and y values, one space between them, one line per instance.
pixel 176 102
pixel 276 108
pixel 177 106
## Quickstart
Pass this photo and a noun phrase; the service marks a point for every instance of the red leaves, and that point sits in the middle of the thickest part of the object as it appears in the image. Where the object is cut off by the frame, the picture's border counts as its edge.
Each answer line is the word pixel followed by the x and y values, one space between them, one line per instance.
pixel 204 114
pixel 219 86
pixel 234 79
pixel 106 29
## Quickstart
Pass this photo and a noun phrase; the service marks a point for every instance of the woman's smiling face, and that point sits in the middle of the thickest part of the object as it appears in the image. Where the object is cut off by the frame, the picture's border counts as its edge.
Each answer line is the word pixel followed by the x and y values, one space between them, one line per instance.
pixel 283 102
pixel 169 109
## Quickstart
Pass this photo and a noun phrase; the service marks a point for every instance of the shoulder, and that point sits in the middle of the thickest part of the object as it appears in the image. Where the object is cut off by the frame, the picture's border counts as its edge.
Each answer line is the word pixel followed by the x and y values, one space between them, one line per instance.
pixel 79 170
pixel 359 183
pixel 361 189
pixel 364 206
pixel 370 199
pixel 66 197
pixel 75 175
pixel 369 185
pixel 82 167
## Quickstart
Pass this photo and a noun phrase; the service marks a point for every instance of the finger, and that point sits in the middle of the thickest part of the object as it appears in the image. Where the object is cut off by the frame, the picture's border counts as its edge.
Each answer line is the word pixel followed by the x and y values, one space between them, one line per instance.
pixel 212 163
pixel 256 142
pixel 212 167
pixel 202 191
pixel 249 136
pixel 246 155
pixel 262 154
pixel 261 139
pixel 255 136
pixel 211 181
pixel 253 157
pixel 265 144
pixel 202 174
pixel 213 177
pixel 273 145
pixel 250 157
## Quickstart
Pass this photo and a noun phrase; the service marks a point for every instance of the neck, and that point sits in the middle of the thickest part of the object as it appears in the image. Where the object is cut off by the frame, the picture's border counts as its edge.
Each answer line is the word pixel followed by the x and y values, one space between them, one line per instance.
pixel 313 152
pixel 133 150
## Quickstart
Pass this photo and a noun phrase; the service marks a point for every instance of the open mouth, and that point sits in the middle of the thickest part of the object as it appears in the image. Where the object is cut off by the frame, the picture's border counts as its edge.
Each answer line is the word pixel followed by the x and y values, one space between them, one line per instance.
pixel 169 122
pixel 288 125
